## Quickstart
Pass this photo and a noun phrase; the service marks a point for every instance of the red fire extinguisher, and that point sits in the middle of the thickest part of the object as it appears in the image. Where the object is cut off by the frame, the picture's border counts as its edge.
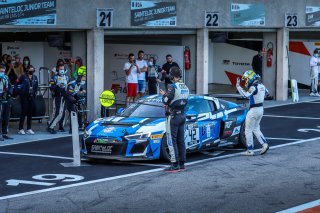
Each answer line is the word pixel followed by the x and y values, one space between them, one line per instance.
pixel 269 54
pixel 187 61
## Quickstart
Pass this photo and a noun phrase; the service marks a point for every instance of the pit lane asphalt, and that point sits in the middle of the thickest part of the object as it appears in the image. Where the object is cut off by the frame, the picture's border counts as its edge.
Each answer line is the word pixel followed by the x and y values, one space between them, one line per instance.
pixel 279 130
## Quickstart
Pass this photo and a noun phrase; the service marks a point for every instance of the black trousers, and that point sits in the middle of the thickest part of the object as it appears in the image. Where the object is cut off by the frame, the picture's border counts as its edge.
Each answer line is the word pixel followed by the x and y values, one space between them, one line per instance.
pixel 5 115
pixel 72 107
pixel 152 85
pixel 27 106
pixel 175 137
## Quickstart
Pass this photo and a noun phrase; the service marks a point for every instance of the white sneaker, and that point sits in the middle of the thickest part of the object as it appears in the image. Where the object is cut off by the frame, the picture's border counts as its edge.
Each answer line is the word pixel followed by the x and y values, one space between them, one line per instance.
pixel 248 153
pixel 21 132
pixel 317 94
pixel 312 94
pixel 264 149
pixel 30 132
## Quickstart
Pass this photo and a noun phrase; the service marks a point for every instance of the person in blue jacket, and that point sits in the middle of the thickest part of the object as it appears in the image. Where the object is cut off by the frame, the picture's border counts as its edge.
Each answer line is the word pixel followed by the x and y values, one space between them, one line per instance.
pixel 28 86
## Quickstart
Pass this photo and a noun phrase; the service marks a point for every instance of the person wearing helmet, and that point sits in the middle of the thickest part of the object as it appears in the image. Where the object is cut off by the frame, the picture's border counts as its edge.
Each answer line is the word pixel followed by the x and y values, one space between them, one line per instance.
pixel 314 64
pixel 256 93
pixel 175 101
pixel 58 84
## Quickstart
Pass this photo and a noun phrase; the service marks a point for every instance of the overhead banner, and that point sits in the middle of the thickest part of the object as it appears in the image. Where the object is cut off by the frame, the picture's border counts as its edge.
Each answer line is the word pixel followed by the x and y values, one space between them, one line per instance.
pixel 248 15
pixel 28 12
pixel 153 13
pixel 313 16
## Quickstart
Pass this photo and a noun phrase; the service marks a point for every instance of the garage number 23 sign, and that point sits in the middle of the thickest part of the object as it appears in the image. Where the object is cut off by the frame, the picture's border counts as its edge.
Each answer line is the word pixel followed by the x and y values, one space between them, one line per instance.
pixel 104 17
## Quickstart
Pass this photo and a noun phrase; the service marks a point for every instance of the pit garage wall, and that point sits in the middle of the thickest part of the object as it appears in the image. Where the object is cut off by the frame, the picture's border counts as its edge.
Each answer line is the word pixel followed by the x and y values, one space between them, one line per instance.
pixel 227 61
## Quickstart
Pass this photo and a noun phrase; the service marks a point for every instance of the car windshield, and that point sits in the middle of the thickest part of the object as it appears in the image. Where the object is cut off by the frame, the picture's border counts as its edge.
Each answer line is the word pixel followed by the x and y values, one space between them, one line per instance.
pixel 145 110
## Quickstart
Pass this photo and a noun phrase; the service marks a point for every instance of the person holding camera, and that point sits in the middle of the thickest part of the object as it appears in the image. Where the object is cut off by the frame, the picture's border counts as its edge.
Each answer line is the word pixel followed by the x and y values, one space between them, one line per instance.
pixel 27 86
pixel 58 85
pixel 131 69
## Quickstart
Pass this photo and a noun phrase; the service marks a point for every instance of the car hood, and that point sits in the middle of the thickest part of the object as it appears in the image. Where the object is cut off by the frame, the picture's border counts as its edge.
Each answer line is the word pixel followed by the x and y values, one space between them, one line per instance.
pixel 117 127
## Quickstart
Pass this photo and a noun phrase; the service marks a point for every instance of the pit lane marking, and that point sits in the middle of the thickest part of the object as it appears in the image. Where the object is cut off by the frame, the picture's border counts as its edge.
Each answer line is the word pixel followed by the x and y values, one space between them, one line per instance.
pixel 293 117
pixel 36 155
pixel 284 139
pixel 28 141
pixel 148 171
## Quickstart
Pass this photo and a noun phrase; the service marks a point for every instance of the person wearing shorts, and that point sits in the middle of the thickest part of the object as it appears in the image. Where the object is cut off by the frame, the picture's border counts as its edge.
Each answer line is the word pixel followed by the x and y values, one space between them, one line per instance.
pixel 131 69
pixel 142 68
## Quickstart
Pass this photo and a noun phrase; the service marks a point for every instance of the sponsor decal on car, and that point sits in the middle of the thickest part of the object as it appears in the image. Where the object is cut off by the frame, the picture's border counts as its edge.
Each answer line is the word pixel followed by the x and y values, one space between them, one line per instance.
pixel 156 136
pixel 109 129
pixel 236 130
pixel 101 149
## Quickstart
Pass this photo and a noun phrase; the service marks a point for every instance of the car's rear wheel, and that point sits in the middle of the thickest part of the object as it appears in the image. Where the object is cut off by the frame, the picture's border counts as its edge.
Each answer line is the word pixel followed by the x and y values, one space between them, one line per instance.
pixel 165 154
pixel 242 143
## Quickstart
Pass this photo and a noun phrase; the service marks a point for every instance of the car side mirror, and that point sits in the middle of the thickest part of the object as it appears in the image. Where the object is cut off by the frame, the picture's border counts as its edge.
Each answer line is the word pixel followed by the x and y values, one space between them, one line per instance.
pixel 119 111
pixel 191 114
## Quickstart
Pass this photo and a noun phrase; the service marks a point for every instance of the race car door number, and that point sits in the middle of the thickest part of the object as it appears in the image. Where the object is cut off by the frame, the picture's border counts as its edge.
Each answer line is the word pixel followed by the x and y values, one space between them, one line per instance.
pixel 101 149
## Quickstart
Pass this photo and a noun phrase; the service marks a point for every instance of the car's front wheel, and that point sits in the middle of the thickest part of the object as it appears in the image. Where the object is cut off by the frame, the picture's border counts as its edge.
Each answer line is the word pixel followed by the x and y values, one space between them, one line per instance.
pixel 165 153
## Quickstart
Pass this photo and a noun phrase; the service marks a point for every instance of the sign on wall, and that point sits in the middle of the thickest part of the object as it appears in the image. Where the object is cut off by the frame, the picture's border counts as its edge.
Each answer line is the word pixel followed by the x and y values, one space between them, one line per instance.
pixel 104 17
pixel 153 13
pixel 313 16
pixel 291 20
pixel 248 15
pixel 211 19
pixel 27 12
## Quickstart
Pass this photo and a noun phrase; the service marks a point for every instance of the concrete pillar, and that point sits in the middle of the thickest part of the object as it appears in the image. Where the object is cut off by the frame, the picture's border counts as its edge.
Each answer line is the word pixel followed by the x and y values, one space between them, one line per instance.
pixel 202 75
pixel 79 45
pixel 282 64
pixel 95 71
pixel 270 73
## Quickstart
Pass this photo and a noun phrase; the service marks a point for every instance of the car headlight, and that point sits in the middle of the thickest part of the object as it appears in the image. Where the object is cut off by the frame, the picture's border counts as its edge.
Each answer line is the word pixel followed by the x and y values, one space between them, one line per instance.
pixel 138 136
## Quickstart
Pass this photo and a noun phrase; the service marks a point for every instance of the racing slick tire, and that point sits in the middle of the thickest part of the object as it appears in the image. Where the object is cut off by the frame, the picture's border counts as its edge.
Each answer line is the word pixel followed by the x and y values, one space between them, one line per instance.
pixel 165 154
pixel 242 142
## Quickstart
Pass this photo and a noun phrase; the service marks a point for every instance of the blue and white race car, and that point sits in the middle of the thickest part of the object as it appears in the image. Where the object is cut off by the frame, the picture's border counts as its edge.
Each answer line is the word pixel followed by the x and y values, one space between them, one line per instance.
pixel 138 131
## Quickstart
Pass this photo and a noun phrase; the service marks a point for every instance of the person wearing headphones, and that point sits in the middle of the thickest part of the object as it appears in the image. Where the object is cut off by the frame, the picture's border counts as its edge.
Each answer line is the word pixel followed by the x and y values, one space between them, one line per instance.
pixel 28 86
pixel 175 100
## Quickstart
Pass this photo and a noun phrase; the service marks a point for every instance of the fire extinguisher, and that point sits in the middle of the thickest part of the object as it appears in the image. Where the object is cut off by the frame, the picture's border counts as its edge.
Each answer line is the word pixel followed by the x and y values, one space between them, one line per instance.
pixel 269 54
pixel 187 61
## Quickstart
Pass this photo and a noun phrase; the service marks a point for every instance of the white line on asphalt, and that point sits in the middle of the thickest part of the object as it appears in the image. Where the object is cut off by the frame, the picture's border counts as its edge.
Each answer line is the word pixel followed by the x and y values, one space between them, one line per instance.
pixel 294 117
pixel 35 155
pixel 40 139
pixel 289 103
pixel 146 172
pixel 284 139
pixel 302 207
pixel 142 164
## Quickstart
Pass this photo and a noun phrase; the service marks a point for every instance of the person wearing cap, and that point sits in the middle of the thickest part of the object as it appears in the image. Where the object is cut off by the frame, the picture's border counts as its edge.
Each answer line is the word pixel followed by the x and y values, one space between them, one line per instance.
pixel 4 88
pixel 175 100
pixel 27 85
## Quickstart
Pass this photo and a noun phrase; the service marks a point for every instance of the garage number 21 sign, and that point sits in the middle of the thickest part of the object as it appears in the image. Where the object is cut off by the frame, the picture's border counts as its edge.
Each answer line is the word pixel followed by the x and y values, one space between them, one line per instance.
pixel 104 17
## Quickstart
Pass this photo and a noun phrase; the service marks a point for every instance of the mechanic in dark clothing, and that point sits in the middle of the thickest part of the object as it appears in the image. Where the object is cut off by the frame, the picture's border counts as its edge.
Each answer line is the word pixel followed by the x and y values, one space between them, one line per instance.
pixel 6 108
pixel 175 101
pixel 28 86
pixel 165 70
pixel 257 63
pixel 76 95
pixel 4 88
